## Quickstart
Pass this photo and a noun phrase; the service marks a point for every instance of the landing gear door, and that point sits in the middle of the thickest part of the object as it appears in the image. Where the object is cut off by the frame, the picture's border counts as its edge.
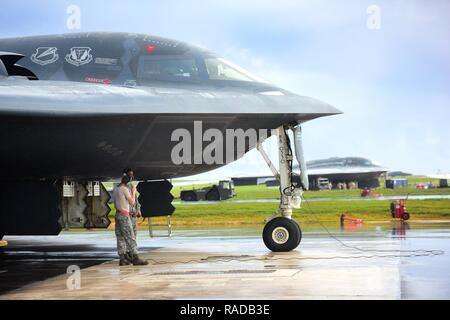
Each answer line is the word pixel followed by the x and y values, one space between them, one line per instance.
pixel 98 208
pixel 74 205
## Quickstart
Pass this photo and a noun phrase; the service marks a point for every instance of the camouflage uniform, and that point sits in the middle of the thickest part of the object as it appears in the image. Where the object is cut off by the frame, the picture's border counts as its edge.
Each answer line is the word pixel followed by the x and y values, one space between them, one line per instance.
pixel 135 213
pixel 126 239
pixel 126 236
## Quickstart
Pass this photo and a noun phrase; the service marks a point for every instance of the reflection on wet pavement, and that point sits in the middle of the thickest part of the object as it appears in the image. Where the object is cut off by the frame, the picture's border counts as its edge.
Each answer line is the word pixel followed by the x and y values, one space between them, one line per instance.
pixel 376 261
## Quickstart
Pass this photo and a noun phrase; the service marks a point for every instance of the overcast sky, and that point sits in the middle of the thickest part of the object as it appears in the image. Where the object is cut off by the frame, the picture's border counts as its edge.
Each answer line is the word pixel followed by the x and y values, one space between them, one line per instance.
pixel 391 83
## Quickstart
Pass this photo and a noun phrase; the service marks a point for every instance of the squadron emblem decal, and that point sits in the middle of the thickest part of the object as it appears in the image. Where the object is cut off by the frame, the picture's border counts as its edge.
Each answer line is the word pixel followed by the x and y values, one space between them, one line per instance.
pixel 45 56
pixel 79 56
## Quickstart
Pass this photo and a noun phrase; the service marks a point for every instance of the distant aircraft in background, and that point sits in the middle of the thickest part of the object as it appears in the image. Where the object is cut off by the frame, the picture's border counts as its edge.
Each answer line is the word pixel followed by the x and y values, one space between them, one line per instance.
pixel 335 170
pixel 345 170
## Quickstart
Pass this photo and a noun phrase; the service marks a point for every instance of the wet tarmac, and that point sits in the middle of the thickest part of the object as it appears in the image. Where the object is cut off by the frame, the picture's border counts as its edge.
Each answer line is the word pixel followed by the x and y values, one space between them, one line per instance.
pixel 373 261
pixel 411 197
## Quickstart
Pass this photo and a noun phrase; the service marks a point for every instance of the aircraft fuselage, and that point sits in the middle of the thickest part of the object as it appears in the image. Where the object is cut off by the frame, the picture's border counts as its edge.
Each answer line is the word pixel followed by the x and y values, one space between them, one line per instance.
pixel 105 101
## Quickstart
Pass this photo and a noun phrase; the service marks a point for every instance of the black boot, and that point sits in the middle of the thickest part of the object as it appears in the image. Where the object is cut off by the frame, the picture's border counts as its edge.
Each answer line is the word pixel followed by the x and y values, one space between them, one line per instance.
pixel 123 260
pixel 138 262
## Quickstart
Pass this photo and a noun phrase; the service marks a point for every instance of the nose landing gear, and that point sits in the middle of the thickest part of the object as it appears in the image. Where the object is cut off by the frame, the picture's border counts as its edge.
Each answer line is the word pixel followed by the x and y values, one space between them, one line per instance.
pixel 282 234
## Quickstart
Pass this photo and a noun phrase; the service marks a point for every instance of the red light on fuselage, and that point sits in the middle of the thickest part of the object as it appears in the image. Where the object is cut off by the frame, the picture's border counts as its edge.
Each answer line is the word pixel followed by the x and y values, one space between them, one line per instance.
pixel 150 48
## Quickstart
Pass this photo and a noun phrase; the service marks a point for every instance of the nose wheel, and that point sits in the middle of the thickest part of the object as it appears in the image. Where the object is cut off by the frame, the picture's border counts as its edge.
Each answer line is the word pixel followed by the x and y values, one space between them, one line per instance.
pixel 282 234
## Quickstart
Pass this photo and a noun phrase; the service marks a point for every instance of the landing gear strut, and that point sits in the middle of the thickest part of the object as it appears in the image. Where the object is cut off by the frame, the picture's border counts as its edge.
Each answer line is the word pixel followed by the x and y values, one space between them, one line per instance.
pixel 282 234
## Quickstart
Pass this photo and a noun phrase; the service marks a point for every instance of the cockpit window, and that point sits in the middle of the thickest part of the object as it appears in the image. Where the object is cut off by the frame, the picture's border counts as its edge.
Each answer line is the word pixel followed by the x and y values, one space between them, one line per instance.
pixel 168 69
pixel 221 69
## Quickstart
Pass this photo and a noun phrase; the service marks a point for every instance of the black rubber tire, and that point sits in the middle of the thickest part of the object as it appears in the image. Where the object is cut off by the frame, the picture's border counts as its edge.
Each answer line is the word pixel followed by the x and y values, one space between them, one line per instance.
pixel 213 195
pixel 405 216
pixel 294 233
pixel 188 196
pixel 299 230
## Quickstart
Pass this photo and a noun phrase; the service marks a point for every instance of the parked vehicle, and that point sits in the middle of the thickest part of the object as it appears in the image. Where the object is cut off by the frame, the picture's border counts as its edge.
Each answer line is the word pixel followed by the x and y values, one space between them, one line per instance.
pixel 222 191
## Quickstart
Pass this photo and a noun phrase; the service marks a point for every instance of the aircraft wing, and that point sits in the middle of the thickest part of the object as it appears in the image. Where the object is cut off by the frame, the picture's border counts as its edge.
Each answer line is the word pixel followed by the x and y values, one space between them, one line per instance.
pixel 345 170
pixel 21 96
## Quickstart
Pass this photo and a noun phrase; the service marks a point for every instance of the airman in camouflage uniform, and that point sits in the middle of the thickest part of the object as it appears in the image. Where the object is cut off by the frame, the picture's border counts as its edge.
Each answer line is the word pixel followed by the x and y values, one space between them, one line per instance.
pixel 126 238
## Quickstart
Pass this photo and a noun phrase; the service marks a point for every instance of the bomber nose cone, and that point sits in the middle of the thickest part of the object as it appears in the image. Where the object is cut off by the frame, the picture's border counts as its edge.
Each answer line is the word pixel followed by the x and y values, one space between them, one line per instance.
pixel 306 108
pixel 317 106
